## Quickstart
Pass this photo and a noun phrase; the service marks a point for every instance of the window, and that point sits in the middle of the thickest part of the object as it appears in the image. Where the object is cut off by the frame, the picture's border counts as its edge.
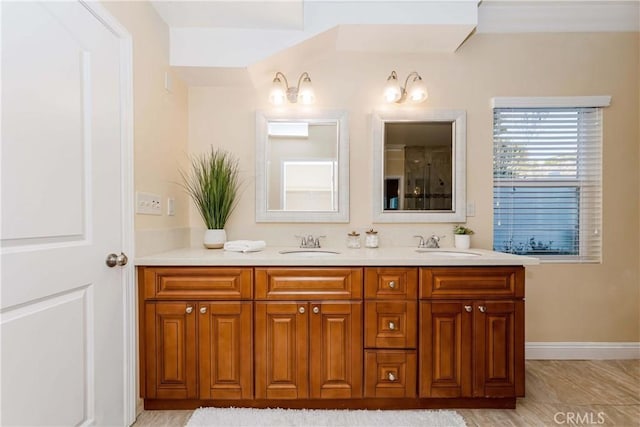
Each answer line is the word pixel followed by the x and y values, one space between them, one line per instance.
pixel 547 177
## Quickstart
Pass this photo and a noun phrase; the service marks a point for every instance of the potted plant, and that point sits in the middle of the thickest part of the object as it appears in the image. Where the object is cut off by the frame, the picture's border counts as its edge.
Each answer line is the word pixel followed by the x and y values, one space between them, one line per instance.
pixel 213 186
pixel 462 237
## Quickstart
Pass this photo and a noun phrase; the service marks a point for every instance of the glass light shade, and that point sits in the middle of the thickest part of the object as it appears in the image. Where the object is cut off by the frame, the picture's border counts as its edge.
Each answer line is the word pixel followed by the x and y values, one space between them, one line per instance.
pixel 277 95
pixel 306 95
pixel 392 90
pixel 418 91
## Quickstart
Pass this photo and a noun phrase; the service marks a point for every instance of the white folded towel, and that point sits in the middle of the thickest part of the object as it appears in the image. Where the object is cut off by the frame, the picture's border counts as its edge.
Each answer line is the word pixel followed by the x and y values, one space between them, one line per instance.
pixel 245 245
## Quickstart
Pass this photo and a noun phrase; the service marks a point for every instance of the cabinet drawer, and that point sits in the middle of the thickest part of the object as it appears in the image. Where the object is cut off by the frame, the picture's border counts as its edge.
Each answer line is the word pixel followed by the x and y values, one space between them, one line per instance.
pixel 308 283
pixel 472 282
pixel 390 373
pixel 209 283
pixel 390 324
pixel 391 283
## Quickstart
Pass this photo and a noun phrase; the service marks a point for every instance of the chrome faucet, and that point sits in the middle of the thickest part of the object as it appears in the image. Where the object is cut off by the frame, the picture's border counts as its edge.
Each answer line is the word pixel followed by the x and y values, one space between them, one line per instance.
pixel 309 242
pixel 433 242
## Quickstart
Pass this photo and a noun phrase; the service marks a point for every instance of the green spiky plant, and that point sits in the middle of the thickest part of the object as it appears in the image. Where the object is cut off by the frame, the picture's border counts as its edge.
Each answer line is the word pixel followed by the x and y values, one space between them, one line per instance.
pixel 461 229
pixel 213 185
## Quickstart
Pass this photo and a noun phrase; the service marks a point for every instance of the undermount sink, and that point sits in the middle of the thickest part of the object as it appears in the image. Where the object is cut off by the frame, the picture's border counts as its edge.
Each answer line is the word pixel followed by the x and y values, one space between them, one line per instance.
pixel 309 252
pixel 447 253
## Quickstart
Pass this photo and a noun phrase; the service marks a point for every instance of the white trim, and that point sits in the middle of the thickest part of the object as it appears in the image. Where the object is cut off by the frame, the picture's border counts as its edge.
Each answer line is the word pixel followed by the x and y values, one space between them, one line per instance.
pixel 558 16
pixel 550 101
pixel 581 350
pixel 130 371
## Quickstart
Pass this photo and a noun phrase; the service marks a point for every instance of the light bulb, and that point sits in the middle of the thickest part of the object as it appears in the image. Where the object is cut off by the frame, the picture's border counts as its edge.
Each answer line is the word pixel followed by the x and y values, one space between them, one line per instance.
pixel 418 92
pixel 306 95
pixel 392 90
pixel 277 95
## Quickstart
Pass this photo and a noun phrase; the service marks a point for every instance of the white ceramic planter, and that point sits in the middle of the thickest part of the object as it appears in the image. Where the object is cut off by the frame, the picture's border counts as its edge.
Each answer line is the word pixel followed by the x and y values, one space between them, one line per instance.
pixel 214 239
pixel 462 241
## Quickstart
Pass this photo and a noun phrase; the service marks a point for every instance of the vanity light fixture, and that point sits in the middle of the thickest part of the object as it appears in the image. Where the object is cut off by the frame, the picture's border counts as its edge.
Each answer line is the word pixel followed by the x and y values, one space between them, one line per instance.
pixel 280 90
pixel 415 90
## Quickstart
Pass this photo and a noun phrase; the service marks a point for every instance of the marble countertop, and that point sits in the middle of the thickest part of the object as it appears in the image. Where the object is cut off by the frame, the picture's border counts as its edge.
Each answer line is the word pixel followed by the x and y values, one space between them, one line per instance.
pixel 388 256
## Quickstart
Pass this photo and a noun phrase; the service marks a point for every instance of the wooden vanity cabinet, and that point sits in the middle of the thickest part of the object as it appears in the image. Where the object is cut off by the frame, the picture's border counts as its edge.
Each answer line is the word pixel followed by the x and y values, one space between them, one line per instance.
pixel 472 332
pixel 308 348
pixel 196 333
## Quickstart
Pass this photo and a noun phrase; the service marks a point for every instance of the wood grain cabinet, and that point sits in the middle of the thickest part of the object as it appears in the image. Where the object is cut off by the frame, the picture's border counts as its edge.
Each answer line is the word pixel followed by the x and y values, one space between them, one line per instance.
pixel 390 332
pixel 472 332
pixel 193 348
pixel 308 349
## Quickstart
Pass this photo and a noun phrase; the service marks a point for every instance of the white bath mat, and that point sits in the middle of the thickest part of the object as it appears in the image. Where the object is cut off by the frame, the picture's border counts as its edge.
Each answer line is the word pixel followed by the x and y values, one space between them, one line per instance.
pixel 246 417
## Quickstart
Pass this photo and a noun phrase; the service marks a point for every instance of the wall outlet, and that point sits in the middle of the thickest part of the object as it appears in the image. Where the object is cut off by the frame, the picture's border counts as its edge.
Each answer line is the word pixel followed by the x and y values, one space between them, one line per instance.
pixel 171 206
pixel 148 203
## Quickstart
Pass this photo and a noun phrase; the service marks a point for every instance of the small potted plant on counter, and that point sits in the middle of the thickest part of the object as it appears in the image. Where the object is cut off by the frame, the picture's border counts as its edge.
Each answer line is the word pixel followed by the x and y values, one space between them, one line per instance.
pixel 213 186
pixel 462 237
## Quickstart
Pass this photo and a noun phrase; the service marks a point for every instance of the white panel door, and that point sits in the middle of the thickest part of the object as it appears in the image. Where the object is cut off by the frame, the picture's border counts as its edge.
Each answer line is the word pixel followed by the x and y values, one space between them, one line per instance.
pixel 62 308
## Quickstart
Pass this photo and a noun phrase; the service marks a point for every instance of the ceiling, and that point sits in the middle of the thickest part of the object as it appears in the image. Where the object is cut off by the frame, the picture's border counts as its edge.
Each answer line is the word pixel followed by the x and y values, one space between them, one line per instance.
pixel 236 34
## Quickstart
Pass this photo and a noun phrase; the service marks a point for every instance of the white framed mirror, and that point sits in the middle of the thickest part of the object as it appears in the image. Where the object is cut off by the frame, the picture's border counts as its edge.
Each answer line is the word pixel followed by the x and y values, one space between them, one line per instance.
pixel 419 164
pixel 302 167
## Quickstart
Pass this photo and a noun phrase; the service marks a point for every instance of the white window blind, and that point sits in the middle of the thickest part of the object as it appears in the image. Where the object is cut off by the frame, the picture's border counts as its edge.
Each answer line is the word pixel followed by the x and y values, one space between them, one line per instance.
pixel 547 182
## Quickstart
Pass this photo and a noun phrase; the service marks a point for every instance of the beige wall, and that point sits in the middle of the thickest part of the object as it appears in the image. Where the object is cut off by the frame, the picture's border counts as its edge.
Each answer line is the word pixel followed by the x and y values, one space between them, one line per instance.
pixel 565 302
pixel 160 125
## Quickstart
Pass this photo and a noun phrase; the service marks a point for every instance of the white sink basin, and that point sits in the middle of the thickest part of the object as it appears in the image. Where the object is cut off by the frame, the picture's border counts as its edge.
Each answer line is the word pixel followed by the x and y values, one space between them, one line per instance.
pixel 447 253
pixel 309 253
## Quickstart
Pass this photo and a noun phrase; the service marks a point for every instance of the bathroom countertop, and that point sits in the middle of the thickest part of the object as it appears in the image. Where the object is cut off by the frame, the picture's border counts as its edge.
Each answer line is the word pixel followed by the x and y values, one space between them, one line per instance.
pixel 388 256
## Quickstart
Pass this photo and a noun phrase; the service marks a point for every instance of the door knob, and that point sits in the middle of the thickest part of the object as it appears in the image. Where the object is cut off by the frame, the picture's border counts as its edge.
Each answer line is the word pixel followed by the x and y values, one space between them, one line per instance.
pixel 189 310
pixel 203 310
pixel 316 309
pixel 468 308
pixel 392 284
pixel 392 326
pixel 113 260
pixel 390 376
pixel 301 310
pixel 482 309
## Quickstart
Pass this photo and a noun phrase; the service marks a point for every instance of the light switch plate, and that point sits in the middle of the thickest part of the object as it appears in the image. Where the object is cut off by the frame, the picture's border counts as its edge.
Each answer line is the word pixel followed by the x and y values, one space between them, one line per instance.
pixel 148 203
pixel 171 206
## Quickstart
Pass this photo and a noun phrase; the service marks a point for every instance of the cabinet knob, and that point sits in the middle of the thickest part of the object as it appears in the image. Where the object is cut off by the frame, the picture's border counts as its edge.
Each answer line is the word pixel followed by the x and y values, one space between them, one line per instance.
pixel 390 376
pixel 316 309
pixel 392 284
pixel 468 308
pixel 203 310
pixel 392 326
pixel 189 309
pixel 301 310
pixel 482 309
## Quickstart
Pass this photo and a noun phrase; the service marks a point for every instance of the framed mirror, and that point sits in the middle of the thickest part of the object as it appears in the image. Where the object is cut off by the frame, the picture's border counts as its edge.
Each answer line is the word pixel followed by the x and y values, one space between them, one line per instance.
pixel 302 167
pixel 419 162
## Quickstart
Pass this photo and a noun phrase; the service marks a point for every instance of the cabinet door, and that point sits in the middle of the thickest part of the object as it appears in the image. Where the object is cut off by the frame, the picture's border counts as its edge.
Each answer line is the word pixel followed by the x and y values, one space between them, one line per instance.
pixel 170 334
pixel 225 349
pixel 499 335
pixel 445 349
pixel 335 350
pixel 281 350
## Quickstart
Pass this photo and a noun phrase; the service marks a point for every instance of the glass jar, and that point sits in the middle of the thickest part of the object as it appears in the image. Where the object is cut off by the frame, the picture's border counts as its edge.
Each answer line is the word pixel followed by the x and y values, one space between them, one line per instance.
pixel 371 241
pixel 353 240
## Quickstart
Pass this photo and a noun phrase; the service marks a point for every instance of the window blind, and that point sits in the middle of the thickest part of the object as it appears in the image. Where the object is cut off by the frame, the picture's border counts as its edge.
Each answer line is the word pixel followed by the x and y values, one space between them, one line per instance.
pixel 547 182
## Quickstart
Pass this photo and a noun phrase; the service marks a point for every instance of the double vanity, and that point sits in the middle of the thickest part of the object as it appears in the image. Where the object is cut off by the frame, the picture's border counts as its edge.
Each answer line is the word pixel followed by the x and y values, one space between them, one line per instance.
pixel 380 328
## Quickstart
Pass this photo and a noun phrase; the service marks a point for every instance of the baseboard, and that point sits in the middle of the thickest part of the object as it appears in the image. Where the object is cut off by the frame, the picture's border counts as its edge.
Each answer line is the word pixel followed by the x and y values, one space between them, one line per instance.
pixel 581 350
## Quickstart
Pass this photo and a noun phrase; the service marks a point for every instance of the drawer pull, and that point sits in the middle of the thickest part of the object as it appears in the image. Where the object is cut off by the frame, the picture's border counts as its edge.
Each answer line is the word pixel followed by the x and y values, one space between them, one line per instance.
pixel 203 310
pixel 301 310
pixel 390 376
pixel 392 326
pixel 482 309
pixel 392 284
pixel 468 308
pixel 316 309
pixel 189 309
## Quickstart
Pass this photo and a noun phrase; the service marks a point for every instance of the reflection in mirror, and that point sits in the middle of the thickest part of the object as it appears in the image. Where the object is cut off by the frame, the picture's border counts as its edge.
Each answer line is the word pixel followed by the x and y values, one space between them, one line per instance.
pixel 419 166
pixel 302 168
